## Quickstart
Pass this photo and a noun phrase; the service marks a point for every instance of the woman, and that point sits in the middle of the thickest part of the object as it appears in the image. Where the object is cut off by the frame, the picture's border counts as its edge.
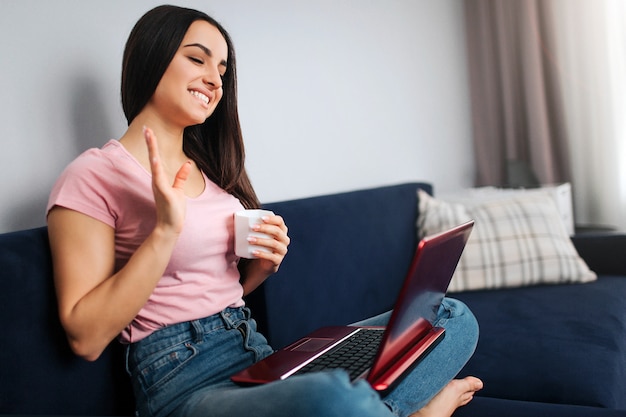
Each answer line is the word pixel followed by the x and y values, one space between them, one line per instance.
pixel 141 233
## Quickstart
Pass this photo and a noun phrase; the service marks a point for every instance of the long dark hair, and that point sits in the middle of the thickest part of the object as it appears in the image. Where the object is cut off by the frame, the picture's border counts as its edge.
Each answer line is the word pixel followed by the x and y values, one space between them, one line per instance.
pixel 216 145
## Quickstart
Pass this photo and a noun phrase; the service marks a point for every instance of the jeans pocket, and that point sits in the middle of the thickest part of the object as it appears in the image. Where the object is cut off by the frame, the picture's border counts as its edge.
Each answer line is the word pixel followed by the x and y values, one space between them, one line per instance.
pixel 162 366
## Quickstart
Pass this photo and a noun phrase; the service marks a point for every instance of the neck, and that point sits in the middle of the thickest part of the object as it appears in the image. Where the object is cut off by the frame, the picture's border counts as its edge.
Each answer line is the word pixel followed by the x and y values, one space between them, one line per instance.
pixel 169 138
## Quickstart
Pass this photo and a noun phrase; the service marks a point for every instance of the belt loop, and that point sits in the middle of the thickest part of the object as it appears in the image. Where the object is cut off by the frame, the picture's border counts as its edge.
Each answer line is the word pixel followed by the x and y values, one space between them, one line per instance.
pixel 228 322
pixel 197 331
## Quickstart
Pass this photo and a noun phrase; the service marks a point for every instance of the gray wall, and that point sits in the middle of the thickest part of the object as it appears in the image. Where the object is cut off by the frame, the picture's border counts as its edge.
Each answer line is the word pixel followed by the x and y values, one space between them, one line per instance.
pixel 334 95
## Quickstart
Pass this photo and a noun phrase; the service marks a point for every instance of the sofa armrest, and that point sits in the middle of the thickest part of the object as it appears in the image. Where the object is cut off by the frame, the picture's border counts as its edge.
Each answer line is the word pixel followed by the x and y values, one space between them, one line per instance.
pixel 603 252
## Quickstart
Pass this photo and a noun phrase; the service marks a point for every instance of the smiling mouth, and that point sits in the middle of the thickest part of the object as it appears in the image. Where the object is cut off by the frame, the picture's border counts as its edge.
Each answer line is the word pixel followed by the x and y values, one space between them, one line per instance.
pixel 200 96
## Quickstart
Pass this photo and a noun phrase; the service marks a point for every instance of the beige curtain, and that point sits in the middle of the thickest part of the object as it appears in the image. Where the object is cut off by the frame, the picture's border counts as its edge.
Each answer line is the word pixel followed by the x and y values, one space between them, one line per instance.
pixel 516 104
pixel 590 51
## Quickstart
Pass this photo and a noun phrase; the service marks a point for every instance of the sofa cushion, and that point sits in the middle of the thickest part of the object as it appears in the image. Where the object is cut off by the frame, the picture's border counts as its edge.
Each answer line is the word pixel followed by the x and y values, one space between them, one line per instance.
pixel 555 343
pixel 40 374
pixel 518 240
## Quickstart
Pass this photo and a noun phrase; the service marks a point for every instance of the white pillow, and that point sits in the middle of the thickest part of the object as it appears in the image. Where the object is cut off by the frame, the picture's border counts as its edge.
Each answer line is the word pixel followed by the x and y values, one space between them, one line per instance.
pixel 517 241
pixel 560 193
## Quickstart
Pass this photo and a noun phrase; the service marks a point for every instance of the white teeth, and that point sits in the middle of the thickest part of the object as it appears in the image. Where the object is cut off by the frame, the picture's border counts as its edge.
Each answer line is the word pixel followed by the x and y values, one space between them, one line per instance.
pixel 200 96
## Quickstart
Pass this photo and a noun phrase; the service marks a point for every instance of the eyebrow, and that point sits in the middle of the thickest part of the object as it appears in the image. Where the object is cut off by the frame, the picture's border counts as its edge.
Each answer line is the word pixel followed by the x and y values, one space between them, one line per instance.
pixel 204 49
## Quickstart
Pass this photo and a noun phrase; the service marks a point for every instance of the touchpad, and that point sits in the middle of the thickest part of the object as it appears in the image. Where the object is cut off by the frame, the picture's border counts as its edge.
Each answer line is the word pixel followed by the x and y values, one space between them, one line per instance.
pixel 312 344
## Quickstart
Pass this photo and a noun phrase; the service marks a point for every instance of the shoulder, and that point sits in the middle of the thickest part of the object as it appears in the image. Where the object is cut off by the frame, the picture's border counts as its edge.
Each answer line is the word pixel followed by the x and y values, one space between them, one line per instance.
pixel 103 166
pixel 95 160
pixel 91 182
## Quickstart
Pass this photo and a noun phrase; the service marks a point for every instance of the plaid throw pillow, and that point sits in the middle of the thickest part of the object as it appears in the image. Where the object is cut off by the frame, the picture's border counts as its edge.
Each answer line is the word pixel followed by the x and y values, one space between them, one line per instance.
pixel 518 240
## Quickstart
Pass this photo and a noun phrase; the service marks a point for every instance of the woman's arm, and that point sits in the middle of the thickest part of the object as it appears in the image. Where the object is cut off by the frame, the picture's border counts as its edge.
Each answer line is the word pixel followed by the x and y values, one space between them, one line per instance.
pixel 95 302
pixel 266 263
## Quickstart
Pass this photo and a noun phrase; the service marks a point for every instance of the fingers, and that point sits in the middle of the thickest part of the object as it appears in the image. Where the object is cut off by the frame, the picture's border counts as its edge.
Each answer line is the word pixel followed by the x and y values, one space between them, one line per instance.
pixel 153 154
pixel 182 175
pixel 156 167
pixel 169 196
pixel 275 228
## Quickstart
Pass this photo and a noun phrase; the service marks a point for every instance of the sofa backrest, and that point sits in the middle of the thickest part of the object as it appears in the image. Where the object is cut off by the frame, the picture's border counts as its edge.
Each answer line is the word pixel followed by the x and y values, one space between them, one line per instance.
pixel 348 255
pixel 39 373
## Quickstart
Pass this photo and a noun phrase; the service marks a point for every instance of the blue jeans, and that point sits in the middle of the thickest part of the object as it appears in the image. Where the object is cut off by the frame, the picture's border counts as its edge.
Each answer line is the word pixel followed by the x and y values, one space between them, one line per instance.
pixel 185 369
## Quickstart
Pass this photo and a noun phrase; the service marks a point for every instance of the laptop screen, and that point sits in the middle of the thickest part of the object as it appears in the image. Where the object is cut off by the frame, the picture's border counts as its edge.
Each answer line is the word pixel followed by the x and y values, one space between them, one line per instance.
pixel 427 282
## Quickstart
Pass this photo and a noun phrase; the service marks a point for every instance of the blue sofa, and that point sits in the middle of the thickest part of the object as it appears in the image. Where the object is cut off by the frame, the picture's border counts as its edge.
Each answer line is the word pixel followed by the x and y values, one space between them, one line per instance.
pixel 556 350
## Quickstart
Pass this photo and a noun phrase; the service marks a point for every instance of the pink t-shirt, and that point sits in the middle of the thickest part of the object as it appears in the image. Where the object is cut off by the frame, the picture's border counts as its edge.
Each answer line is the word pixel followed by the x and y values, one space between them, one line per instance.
pixel 201 278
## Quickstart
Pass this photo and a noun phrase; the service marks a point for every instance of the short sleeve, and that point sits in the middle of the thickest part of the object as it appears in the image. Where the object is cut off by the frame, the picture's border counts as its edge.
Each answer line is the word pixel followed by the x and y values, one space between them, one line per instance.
pixel 87 185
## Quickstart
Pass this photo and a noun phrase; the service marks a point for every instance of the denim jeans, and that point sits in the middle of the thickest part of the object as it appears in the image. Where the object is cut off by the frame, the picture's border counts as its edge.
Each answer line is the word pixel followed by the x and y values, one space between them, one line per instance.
pixel 185 369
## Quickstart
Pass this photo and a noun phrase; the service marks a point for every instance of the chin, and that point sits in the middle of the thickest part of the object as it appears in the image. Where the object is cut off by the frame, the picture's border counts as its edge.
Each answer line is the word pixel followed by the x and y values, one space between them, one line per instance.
pixel 198 120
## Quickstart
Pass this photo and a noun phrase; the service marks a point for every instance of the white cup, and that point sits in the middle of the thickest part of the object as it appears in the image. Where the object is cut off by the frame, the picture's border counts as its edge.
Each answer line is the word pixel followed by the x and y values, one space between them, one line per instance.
pixel 244 220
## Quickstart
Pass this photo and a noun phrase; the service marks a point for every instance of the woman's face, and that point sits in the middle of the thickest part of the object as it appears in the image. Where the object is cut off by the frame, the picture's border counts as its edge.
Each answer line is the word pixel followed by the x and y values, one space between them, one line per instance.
pixel 191 87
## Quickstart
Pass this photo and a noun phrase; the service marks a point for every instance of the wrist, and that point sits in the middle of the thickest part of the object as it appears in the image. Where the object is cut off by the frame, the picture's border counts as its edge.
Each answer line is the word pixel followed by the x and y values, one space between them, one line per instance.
pixel 163 237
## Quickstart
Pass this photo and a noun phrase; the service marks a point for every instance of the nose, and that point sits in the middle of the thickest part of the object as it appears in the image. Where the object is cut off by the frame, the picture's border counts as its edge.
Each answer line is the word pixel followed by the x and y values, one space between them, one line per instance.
pixel 213 78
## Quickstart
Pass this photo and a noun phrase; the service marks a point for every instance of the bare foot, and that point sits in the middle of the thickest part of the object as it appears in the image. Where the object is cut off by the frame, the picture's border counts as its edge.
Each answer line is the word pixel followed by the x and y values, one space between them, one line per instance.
pixel 457 393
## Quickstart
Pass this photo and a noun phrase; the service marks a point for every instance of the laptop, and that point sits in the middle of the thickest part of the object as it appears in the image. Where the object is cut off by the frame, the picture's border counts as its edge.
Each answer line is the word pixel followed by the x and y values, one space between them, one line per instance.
pixel 394 349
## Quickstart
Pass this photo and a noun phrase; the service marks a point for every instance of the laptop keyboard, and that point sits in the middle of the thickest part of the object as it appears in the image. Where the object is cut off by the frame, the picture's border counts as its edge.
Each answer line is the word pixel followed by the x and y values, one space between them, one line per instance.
pixel 355 354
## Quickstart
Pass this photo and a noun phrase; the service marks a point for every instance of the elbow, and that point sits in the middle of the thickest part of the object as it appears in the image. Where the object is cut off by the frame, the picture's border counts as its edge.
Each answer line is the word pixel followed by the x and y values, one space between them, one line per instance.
pixel 83 342
pixel 84 350
pixel 82 345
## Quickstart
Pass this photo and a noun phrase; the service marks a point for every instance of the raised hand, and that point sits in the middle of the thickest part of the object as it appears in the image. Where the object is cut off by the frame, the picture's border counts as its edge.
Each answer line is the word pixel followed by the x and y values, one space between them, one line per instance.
pixel 170 200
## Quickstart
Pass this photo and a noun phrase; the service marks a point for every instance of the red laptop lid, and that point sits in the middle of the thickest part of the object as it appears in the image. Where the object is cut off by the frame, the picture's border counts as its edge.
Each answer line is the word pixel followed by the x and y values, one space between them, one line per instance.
pixel 425 286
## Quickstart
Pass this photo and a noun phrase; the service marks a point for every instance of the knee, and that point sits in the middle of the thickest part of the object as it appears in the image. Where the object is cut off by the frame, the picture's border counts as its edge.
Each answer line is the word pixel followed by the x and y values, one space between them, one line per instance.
pixel 451 308
pixel 454 306
pixel 456 317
